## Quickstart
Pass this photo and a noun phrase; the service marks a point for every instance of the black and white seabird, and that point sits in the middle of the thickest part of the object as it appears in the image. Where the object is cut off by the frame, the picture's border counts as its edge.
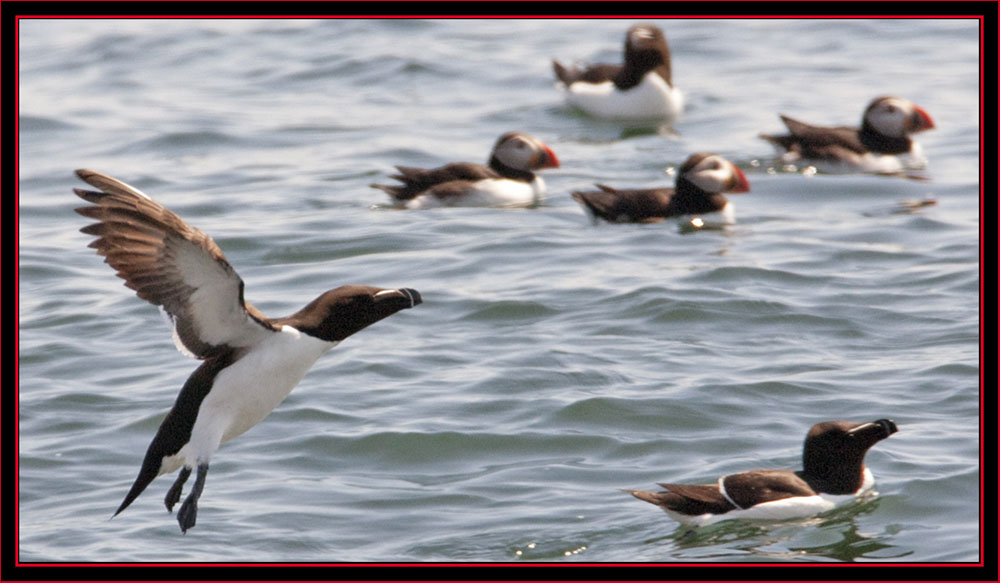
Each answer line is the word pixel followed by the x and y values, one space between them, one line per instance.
pixel 251 362
pixel 701 180
pixel 640 88
pixel 507 181
pixel 833 473
pixel 882 145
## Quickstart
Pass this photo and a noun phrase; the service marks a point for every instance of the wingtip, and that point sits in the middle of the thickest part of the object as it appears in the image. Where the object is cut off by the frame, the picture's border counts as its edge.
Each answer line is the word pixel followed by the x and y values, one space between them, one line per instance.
pixel 395 192
pixel 644 495
pixel 87 195
pixel 86 174
pixel 562 73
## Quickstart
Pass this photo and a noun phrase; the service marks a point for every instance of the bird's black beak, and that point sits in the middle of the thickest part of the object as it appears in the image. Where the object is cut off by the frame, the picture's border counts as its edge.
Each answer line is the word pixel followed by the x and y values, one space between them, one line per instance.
pixel 404 297
pixel 879 429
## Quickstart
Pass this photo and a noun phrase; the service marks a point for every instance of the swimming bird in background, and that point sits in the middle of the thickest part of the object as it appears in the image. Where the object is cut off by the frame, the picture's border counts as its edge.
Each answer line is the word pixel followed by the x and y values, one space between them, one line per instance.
pixel 701 180
pixel 251 361
pixel 506 181
pixel 639 88
pixel 882 145
pixel 833 473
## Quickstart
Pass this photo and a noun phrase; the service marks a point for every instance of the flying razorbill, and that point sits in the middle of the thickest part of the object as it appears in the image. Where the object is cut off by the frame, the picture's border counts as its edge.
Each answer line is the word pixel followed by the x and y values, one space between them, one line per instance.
pixel 251 362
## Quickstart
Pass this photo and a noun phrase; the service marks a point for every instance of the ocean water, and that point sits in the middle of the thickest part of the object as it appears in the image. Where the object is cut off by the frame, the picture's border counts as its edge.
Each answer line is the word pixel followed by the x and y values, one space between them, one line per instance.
pixel 554 362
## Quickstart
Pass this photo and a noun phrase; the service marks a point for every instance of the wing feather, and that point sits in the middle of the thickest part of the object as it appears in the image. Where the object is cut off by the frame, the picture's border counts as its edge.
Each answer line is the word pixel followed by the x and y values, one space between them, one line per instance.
pixel 170 264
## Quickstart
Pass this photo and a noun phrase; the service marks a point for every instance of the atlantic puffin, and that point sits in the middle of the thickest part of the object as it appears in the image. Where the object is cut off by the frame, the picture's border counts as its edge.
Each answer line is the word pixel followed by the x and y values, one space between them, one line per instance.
pixel 882 145
pixel 507 180
pixel 700 182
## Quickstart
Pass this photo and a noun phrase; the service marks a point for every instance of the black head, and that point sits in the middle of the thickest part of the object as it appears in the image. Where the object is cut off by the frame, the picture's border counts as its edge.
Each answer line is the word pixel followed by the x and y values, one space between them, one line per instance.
pixel 646 50
pixel 647 42
pixel 341 312
pixel 834 451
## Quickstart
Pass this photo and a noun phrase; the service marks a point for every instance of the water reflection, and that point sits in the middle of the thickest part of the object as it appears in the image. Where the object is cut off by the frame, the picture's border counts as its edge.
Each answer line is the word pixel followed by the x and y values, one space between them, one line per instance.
pixel 745 540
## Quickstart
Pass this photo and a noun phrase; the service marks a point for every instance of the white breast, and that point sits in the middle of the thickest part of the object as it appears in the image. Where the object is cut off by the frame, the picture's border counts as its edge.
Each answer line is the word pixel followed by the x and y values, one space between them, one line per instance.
pixel 653 98
pixel 245 392
pixel 489 192
pixel 789 508
pixel 716 220
pixel 869 163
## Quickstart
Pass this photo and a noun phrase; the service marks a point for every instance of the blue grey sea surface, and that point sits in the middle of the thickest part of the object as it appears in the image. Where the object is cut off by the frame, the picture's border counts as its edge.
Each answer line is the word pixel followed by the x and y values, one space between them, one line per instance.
pixel 555 362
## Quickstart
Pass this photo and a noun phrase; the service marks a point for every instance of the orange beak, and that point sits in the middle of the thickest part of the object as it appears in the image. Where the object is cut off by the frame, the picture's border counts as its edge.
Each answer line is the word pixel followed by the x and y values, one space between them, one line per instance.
pixel 920 120
pixel 739 182
pixel 548 159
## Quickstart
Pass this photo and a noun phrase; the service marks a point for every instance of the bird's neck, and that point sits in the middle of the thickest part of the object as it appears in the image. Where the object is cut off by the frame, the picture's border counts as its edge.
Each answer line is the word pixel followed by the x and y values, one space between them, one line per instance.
pixel 509 172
